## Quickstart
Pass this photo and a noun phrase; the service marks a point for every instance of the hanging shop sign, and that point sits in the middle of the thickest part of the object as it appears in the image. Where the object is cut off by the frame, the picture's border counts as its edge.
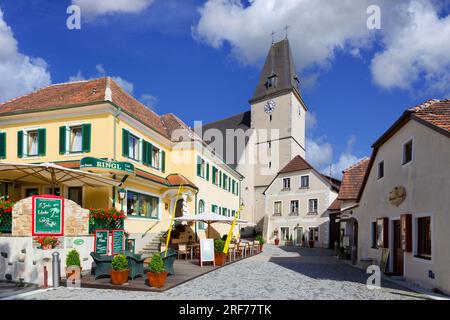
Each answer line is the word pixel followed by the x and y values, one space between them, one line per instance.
pixel 47 215
pixel 99 165
pixel 118 241
pixel 101 242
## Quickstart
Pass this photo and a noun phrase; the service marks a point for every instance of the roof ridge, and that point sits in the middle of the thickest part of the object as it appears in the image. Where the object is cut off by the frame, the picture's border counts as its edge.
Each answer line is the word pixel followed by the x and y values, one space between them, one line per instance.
pixel 227 118
pixel 425 105
pixel 366 158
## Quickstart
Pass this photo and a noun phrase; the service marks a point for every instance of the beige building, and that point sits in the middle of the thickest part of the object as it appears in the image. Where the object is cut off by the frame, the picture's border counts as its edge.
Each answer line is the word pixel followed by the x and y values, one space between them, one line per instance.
pixel 404 201
pixel 272 132
pixel 296 204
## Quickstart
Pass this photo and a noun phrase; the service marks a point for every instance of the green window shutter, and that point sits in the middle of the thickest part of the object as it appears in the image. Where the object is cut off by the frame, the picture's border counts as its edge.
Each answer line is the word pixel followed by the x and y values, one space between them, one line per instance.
pixel 2 145
pixel 125 143
pixel 19 144
pixel 41 142
pixel 144 152
pixel 220 179
pixel 199 166
pixel 86 134
pixel 163 161
pixel 62 139
pixel 207 171
pixel 229 184
pixel 234 187
pixel 213 175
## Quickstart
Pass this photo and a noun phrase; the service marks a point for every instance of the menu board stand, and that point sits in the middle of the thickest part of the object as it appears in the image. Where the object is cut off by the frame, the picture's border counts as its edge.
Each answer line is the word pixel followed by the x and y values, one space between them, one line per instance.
pixel 207 251
pixel 101 242
pixel 118 241
pixel 47 215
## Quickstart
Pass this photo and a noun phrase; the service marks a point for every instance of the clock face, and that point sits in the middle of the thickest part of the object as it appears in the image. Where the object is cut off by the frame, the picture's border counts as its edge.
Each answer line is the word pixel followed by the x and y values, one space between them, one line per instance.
pixel 269 107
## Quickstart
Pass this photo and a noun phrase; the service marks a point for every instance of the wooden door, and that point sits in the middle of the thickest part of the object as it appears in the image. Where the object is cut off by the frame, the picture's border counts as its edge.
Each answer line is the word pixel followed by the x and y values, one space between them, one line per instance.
pixel 398 250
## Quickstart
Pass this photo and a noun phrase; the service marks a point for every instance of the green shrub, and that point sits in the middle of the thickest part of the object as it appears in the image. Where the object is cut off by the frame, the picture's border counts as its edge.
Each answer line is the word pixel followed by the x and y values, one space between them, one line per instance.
pixel 73 258
pixel 157 264
pixel 218 245
pixel 260 239
pixel 120 263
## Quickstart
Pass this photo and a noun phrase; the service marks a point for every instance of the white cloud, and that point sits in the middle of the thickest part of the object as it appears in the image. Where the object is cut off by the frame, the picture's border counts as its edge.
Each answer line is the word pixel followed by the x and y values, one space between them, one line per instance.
pixel 148 100
pixel 126 85
pixel 93 8
pixel 346 159
pixel 417 50
pixel 19 73
pixel 319 152
pixel 414 38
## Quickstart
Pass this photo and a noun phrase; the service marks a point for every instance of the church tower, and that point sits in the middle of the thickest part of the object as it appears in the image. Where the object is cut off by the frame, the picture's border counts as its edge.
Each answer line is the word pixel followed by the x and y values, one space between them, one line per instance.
pixel 278 114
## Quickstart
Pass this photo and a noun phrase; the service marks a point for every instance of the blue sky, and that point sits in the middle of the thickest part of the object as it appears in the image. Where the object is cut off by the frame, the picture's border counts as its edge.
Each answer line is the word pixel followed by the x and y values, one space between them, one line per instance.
pixel 201 59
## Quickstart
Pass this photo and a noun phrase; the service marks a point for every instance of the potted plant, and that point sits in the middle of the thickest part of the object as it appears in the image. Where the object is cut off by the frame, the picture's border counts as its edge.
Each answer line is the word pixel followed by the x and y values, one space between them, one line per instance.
pixel 311 243
pixel 303 241
pixel 289 241
pixel 219 256
pixel 72 259
pixel 260 239
pixel 120 270
pixel 277 241
pixel 157 275
pixel 47 242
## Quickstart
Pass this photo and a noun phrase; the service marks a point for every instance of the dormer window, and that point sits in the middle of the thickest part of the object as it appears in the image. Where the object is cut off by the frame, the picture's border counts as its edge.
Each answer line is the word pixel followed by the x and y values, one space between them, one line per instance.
pixel 272 81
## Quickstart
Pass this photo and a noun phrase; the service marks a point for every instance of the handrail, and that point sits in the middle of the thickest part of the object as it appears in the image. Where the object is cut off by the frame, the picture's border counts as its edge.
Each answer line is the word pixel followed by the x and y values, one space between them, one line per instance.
pixel 149 229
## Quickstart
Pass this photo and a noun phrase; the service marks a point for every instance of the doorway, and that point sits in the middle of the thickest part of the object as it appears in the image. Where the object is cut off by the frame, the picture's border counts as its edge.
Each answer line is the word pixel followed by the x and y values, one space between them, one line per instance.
pixel 299 236
pixel 397 250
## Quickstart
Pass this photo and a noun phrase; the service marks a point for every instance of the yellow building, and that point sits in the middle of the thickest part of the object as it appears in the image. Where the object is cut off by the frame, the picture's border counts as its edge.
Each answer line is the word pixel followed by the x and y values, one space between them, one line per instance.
pixel 95 125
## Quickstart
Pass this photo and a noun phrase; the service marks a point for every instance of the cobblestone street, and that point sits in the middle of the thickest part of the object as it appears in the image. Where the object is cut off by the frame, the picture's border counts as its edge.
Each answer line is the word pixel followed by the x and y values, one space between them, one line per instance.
pixel 277 273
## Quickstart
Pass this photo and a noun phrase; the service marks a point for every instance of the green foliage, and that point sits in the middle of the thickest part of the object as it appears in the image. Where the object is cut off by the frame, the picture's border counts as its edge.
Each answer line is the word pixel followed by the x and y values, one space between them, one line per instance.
pixel 157 264
pixel 120 263
pixel 218 245
pixel 73 258
pixel 260 238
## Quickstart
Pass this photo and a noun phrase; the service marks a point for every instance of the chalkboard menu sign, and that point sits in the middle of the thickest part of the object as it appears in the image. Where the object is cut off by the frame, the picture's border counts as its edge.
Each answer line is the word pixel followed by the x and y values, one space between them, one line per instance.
pixel 207 251
pixel 47 215
pixel 118 241
pixel 101 242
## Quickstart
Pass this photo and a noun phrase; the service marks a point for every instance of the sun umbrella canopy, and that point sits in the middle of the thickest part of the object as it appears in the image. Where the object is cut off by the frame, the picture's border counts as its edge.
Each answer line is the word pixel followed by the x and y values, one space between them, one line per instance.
pixel 209 218
pixel 52 174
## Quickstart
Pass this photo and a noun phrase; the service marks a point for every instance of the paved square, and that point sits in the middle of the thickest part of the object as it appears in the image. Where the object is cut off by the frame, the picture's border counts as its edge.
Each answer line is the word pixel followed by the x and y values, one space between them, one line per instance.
pixel 277 273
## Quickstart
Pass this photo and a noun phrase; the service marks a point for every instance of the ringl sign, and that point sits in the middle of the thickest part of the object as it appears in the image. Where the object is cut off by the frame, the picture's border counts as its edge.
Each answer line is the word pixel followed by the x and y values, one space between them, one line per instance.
pixel 94 164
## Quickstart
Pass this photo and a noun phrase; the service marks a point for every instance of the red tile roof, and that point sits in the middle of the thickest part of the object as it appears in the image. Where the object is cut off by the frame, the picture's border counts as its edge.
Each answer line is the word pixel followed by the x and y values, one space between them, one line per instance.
pixel 296 164
pixel 178 179
pixel 336 205
pixel 83 93
pixel 352 180
pixel 435 112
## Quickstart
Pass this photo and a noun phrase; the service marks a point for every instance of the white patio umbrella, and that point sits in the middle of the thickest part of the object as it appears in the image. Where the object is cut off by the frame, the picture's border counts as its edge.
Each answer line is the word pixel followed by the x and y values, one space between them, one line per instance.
pixel 209 218
pixel 51 174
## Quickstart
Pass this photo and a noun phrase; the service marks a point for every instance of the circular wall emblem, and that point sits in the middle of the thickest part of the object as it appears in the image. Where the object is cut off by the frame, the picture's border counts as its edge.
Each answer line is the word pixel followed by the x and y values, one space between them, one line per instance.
pixel 78 242
pixel 397 195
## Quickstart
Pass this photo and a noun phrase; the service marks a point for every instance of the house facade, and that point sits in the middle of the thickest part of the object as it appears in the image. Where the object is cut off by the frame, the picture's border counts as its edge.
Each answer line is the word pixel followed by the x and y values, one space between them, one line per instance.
pixel 95 125
pixel 297 202
pixel 404 200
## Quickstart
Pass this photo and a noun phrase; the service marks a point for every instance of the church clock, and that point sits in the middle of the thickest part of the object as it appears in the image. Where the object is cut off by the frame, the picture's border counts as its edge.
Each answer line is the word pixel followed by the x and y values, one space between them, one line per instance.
pixel 269 106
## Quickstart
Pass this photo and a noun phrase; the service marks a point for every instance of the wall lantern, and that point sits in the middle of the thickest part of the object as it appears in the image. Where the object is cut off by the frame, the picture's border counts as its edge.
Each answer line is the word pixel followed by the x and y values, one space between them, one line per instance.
pixel 166 206
pixel 122 193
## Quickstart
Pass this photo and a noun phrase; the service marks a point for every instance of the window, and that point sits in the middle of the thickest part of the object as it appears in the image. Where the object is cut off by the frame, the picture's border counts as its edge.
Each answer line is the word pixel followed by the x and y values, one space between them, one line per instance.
pixel 373 233
pixel 382 233
pixel 304 182
pixel 202 168
pixel 294 207
pixel 142 205
pixel 314 234
pixel 215 176
pixel 224 212
pixel 2 145
pixel 407 152
pixel 56 191
pixel 380 169
pixel 155 157
pixel 284 233
pixel 313 205
pixel 286 184
pixel 76 195
pixel 225 182
pixel 277 205
pixel 201 209
pixel 133 147
pixel 32 143
pixel 272 81
pixel 75 139
pixel 214 209
pixel 31 192
pixel 424 237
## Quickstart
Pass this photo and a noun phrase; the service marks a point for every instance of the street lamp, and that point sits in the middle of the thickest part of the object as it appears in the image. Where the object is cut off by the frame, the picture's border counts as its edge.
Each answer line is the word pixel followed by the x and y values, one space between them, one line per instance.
pixel 122 193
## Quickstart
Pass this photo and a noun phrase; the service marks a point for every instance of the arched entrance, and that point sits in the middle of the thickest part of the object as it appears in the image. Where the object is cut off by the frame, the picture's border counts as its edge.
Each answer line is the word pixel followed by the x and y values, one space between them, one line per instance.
pixel 179 208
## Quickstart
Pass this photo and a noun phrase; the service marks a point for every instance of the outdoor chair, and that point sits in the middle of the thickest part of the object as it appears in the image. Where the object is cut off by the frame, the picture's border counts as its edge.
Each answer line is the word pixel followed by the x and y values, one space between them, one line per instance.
pixel 183 250
pixel 102 265
pixel 136 264
pixel 256 246
pixel 169 260
pixel 251 248
pixel 232 252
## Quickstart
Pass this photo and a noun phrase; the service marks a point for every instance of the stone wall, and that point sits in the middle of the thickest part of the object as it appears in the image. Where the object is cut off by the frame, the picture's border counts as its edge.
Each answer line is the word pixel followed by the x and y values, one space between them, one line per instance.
pixel 76 219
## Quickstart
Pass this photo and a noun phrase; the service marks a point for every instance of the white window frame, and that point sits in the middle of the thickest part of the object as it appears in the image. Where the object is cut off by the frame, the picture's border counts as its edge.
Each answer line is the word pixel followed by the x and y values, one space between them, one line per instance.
pixel 411 139
pixel 281 207
pixel 283 184
pixel 309 181
pixel 317 206
pixel 160 207
pixel 68 126
pixel 25 143
pixel 298 206
pixel 289 232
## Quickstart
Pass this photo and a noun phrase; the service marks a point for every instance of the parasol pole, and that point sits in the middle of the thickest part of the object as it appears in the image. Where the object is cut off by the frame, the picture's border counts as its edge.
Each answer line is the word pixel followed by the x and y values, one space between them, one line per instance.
pixel 230 233
pixel 172 218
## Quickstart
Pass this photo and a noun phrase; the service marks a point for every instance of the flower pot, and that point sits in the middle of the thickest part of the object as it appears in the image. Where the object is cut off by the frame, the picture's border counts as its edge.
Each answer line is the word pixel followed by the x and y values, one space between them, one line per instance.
pixel 119 277
pixel 311 243
pixel 68 274
pixel 277 242
pixel 261 247
pixel 157 280
pixel 219 258
pixel 47 247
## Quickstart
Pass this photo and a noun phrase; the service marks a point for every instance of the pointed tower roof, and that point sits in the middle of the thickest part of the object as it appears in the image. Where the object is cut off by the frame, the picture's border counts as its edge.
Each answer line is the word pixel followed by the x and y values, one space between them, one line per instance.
pixel 279 65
